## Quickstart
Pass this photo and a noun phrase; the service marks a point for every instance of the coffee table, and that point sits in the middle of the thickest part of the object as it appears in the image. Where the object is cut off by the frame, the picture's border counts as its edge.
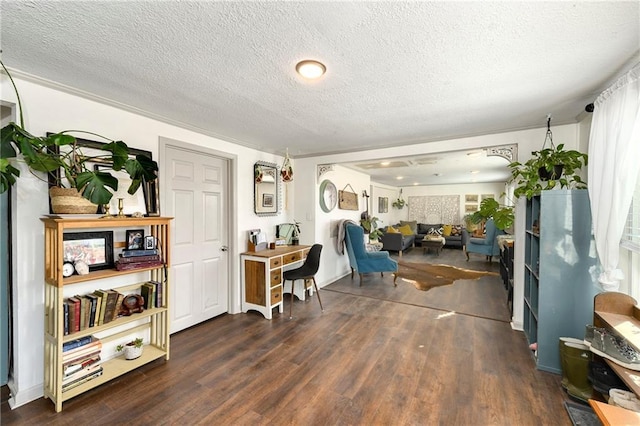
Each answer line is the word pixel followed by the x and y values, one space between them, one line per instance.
pixel 432 243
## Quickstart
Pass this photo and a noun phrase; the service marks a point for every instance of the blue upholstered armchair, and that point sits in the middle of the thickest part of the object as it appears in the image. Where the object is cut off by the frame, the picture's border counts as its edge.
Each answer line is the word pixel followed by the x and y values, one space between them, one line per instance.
pixel 360 259
pixel 487 245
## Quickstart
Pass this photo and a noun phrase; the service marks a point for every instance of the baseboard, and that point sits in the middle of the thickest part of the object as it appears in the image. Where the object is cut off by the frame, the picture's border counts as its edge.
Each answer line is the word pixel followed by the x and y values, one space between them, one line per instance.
pixel 516 325
pixel 18 399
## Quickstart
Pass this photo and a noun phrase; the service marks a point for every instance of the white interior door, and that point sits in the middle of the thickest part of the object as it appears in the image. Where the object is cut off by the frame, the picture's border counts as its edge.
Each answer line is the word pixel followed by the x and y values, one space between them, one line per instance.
pixel 196 188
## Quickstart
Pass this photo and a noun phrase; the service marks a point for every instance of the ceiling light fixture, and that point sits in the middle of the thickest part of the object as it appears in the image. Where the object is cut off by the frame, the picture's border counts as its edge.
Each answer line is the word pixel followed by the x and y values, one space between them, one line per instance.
pixel 399 177
pixel 474 154
pixel 311 69
pixel 473 172
pixel 385 163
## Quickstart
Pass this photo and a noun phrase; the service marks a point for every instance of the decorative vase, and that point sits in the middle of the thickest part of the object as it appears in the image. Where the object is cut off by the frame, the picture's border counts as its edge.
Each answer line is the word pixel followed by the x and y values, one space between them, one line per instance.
pixel 132 352
pixel 70 201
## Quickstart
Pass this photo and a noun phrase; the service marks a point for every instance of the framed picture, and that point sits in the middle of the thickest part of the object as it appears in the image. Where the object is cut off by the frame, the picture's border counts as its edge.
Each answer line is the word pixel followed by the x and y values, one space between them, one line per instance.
pixel 470 208
pixel 485 196
pixel 149 242
pixel 383 204
pixel 471 198
pixel 267 200
pixel 93 248
pixel 150 189
pixel 135 239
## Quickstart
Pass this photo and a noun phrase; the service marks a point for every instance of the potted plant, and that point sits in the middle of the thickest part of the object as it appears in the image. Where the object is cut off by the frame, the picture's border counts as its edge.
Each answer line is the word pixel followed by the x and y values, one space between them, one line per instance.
pixel 502 216
pixel 60 152
pixel 370 225
pixel 295 237
pixel 132 350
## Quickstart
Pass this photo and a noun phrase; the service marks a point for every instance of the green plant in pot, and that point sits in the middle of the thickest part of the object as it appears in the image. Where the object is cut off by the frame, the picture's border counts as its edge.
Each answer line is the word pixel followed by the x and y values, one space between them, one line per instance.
pixel 399 203
pixel 503 216
pixel 370 225
pixel 132 350
pixel 60 152
pixel 548 168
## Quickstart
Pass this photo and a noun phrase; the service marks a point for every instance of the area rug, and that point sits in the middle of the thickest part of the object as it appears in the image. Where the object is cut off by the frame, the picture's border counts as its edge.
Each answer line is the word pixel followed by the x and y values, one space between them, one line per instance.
pixel 425 276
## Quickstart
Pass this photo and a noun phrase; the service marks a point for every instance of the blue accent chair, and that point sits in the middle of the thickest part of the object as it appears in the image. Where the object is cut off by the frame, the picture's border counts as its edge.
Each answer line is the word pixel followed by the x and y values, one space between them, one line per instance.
pixel 361 260
pixel 487 245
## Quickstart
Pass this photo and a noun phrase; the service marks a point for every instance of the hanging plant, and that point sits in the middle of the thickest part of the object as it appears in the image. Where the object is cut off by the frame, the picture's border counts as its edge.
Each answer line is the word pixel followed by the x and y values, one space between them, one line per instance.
pixel 286 172
pixel 548 168
pixel 399 202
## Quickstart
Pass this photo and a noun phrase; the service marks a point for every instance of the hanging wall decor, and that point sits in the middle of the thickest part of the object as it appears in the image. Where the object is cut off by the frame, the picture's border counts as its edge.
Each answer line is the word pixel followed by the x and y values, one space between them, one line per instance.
pixel 347 200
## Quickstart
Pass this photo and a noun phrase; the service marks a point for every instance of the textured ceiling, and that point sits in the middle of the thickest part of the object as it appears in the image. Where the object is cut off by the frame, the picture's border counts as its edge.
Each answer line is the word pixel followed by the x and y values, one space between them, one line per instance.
pixel 397 72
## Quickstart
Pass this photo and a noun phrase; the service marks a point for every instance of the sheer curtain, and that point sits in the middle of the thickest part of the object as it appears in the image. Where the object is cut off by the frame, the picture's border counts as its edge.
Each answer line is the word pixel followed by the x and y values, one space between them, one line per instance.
pixel 614 162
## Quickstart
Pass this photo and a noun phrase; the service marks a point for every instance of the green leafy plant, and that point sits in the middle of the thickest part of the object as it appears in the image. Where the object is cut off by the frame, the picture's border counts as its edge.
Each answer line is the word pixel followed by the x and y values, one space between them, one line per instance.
pixel 399 202
pixel 60 151
pixel 135 343
pixel 503 216
pixel 370 225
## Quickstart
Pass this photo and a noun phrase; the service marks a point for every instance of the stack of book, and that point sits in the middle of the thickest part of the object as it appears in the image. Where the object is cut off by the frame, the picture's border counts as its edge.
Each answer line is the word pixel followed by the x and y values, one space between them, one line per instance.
pixel 153 294
pixel 136 259
pixel 80 361
pixel 90 310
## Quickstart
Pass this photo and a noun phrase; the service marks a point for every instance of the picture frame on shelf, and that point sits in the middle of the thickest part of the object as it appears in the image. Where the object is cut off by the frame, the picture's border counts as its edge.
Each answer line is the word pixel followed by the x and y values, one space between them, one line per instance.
pixel 134 239
pixel 149 242
pixel 93 248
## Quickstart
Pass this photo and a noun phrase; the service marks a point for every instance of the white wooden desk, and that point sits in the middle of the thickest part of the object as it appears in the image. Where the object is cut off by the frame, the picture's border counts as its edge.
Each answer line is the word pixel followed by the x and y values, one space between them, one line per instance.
pixel 261 272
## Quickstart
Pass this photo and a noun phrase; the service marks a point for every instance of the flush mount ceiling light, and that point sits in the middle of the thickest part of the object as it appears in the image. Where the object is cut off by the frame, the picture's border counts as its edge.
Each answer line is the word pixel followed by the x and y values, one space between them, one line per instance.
pixel 310 69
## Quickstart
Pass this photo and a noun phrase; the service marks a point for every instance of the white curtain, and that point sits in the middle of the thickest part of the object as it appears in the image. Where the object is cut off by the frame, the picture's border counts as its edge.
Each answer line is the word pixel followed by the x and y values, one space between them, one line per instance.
pixel 614 162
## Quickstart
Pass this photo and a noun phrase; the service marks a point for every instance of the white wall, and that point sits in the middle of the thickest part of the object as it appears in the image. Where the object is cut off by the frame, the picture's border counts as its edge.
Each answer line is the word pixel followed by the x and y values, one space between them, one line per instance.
pixel 45 110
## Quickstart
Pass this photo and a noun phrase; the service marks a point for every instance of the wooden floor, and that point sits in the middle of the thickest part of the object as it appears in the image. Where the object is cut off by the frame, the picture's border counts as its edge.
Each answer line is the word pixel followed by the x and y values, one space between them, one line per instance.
pixel 369 359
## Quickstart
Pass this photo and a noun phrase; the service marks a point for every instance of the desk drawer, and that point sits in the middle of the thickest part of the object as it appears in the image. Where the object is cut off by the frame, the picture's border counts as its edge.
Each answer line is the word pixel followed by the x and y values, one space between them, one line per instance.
pixel 305 253
pixel 274 262
pixel 292 257
pixel 276 277
pixel 276 295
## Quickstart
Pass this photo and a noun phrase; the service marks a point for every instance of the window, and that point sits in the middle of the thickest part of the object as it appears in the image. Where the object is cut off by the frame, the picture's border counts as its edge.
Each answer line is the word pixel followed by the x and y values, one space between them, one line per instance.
pixel 631 235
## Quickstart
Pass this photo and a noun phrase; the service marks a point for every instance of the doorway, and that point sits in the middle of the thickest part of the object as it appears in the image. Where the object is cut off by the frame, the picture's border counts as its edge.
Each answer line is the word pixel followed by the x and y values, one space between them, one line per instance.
pixel 196 195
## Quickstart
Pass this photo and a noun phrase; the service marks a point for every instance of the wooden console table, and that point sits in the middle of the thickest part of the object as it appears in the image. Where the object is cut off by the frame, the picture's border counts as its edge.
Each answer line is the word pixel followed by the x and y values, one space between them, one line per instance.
pixel 261 271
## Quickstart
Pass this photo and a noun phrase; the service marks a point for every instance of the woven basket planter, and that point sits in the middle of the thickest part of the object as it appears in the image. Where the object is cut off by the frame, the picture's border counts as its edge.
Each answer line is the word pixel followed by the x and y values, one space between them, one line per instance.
pixel 70 201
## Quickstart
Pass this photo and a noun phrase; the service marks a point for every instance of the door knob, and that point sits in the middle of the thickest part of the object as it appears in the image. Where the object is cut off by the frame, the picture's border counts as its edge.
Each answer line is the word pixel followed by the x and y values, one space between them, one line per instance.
pixel 224 248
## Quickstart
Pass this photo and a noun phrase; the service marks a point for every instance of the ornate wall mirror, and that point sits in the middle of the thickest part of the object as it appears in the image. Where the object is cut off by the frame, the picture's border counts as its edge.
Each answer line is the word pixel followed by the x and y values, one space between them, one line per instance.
pixel 266 189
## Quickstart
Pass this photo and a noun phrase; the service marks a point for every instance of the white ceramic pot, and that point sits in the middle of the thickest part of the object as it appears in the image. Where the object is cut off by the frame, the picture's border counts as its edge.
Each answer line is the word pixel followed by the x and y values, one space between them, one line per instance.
pixel 131 352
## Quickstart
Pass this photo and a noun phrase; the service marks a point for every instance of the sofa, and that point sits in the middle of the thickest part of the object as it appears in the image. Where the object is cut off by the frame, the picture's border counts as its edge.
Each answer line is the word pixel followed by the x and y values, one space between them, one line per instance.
pixel 453 235
pixel 397 238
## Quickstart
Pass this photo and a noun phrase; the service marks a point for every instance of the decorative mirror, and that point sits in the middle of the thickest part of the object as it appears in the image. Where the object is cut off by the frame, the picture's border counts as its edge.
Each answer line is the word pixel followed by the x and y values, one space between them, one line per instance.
pixel 265 190
pixel 286 231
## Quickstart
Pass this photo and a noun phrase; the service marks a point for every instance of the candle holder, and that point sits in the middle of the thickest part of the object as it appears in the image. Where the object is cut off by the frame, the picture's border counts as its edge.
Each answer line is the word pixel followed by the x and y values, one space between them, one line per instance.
pixel 120 207
pixel 106 215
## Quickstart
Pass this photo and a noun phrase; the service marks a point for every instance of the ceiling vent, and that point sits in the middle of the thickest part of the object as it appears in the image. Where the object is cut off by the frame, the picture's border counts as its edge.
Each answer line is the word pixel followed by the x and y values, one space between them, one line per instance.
pixel 369 166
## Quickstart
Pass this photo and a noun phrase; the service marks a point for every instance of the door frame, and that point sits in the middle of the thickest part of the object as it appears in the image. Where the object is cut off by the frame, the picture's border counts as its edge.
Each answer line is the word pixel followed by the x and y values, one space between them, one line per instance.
pixel 233 264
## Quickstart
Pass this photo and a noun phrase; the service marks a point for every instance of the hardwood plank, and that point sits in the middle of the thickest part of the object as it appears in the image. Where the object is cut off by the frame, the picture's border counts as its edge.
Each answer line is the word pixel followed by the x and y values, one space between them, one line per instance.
pixel 377 355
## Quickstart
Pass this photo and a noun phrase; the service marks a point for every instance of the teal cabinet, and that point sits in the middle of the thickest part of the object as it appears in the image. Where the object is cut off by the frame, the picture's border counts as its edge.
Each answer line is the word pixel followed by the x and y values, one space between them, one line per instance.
pixel 560 279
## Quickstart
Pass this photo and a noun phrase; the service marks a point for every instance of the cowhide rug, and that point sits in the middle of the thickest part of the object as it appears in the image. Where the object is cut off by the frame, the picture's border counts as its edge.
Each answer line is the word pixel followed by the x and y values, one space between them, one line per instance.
pixel 425 276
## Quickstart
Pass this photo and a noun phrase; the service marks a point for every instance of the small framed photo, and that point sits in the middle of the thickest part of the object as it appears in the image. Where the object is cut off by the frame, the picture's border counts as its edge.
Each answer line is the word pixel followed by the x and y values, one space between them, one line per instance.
pixel 149 242
pixel 135 239
pixel 267 200
pixel 471 198
pixel 93 248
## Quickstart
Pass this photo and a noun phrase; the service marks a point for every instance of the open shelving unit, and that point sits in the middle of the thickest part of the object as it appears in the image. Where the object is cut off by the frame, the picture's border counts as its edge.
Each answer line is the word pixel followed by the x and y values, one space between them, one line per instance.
pixel 155 321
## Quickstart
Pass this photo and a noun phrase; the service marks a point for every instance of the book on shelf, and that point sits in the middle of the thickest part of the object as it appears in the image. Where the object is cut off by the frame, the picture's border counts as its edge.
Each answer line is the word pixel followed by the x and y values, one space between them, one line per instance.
pixel 133 259
pixel 116 311
pixel 141 252
pixel 93 300
pixel 146 291
pixel 73 344
pixel 112 298
pixel 71 367
pixel 65 317
pixel 79 374
pixel 82 380
pixel 81 359
pixel 159 293
pixel 137 265
pixel 82 351
pixel 102 294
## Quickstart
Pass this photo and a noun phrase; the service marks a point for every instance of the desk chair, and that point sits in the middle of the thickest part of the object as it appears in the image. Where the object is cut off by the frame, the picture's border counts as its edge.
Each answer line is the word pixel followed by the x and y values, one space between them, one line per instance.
pixel 306 272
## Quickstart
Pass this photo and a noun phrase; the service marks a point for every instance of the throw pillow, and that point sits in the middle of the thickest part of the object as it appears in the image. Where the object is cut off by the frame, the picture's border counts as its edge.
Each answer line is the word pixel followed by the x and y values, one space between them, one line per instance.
pixel 413 224
pixel 435 230
pixel 405 230
pixel 392 230
pixel 446 230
